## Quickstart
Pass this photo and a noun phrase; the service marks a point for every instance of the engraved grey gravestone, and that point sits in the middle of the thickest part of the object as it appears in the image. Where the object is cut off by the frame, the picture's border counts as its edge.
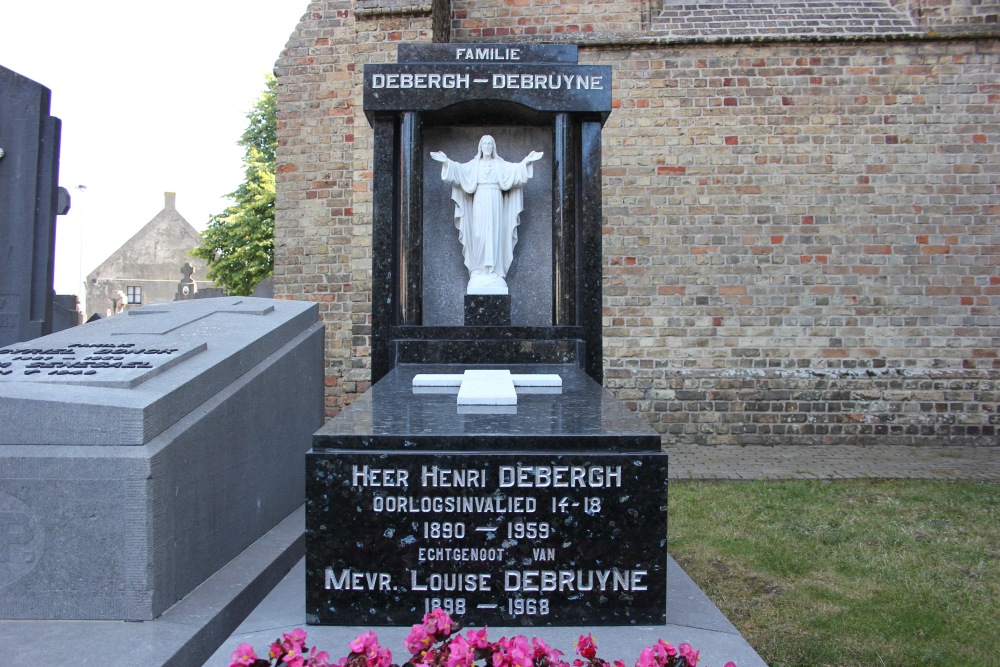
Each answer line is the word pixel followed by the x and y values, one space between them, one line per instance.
pixel 142 452
pixel 31 199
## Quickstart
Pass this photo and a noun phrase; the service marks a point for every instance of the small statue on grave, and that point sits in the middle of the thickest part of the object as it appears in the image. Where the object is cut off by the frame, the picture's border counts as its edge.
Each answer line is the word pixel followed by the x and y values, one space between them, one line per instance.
pixel 488 202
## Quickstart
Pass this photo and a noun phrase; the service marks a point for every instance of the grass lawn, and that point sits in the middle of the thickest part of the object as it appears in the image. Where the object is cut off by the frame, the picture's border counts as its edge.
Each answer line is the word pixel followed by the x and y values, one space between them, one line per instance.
pixel 858 572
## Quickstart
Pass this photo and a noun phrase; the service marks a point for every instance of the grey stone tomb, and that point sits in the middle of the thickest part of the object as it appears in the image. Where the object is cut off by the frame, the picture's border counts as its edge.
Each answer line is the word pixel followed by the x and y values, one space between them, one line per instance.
pixel 142 452
pixel 30 199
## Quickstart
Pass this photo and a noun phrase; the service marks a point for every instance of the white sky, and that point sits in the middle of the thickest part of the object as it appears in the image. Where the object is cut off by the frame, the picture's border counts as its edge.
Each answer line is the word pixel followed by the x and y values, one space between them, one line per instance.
pixel 153 97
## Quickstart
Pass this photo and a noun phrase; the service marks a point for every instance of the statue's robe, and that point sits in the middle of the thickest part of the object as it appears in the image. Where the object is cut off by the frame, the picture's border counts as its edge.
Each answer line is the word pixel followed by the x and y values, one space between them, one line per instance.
pixel 488 202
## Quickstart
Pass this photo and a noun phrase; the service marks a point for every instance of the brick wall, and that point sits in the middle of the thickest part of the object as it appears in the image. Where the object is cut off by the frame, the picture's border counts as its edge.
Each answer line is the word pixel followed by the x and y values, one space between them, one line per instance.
pixel 800 241
pixel 477 20
pixel 789 226
pixel 957 16
pixel 323 203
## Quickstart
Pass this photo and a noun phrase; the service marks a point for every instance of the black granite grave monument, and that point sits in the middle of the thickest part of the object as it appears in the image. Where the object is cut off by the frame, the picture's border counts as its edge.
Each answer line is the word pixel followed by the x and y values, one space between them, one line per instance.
pixel 31 198
pixel 544 509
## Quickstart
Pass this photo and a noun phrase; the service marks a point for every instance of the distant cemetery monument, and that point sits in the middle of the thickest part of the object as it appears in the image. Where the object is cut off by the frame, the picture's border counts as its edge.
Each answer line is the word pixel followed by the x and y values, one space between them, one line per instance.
pixel 149 267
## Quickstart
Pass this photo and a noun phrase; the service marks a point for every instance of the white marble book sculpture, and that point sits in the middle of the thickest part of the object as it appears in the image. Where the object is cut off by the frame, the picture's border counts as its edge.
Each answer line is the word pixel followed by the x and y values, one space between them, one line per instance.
pixel 487 387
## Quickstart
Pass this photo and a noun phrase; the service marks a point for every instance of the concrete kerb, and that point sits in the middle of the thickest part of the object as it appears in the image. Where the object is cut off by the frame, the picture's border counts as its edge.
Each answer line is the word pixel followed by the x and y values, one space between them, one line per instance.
pixel 732 463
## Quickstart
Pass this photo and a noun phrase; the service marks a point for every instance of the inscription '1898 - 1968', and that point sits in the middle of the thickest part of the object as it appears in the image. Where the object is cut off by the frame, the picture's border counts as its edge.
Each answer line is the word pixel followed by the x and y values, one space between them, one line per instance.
pixel 500 539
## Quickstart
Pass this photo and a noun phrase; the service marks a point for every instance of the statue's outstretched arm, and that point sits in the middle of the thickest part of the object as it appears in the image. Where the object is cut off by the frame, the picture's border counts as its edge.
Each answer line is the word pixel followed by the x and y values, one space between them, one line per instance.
pixel 439 156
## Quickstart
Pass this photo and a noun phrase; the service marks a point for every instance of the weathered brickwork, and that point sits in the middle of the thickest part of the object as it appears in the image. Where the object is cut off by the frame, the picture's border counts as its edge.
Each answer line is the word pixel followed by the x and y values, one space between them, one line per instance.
pixel 954 16
pixel 500 19
pixel 802 18
pixel 801 240
pixel 799 217
pixel 323 205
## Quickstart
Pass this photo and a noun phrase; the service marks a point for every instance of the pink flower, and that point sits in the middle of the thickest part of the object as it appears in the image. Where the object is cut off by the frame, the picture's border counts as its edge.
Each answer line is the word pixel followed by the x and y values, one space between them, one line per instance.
pixel 321 659
pixel 363 641
pixel 243 655
pixel 586 647
pixel 378 656
pixel 293 658
pixel 460 654
pixel 544 654
pixel 618 663
pixel 417 641
pixel 477 638
pixel 438 624
pixel 296 638
pixel 276 650
pixel 730 664
pixel 513 652
pixel 687 651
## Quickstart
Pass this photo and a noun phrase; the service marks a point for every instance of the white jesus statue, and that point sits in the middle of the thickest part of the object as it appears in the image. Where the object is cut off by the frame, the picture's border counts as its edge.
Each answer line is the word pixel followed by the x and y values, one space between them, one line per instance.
pixel 488 203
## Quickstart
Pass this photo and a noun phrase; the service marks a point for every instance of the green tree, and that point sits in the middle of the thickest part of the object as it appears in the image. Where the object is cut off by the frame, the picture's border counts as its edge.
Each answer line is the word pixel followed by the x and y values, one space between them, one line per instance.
pixel 238 243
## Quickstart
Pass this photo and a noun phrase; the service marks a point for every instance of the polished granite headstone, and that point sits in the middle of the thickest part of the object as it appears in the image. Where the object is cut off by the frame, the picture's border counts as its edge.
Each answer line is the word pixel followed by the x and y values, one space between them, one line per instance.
pixel 142 452
pixel 550 512
pixel 487 310
pixel 444 97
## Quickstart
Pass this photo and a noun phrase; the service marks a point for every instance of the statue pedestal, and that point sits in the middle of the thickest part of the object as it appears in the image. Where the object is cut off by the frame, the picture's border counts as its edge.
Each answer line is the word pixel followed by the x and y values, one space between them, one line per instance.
pixel 487 310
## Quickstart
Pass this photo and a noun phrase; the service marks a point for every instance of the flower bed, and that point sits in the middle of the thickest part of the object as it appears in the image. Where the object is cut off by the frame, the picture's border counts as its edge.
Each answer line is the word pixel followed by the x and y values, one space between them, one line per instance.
pixel 437 642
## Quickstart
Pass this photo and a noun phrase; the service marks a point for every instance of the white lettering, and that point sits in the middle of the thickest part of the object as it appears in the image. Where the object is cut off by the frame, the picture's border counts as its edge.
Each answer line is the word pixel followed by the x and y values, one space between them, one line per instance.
pixel 419 81
pixel 560 477
pixel 366 476
pixel 450 582
pixel 548 581
pixel 487 53
pixel 357 581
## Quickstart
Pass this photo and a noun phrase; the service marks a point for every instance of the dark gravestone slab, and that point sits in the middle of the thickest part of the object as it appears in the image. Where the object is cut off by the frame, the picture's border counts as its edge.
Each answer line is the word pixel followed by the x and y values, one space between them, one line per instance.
pixel 29 172
pixel 583 416
pixel 487 310
pixel 498 539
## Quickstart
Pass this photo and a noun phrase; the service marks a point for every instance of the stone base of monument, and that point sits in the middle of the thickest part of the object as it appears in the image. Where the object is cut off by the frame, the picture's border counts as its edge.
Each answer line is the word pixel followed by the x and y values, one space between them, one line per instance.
pixel 551 512
pixel 141 453
pixel 487 310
